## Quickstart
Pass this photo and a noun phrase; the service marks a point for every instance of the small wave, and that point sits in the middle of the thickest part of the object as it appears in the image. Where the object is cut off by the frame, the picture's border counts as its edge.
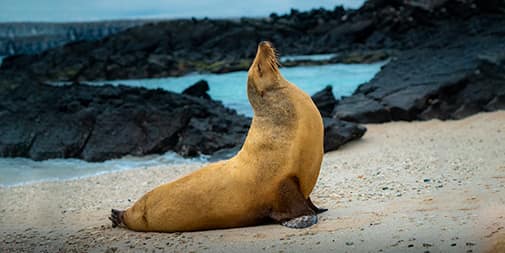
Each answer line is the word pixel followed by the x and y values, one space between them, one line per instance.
pixel 22 171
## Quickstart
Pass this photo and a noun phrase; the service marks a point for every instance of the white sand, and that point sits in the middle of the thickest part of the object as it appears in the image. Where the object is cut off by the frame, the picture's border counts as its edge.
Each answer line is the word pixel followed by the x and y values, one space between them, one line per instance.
pixel 405 187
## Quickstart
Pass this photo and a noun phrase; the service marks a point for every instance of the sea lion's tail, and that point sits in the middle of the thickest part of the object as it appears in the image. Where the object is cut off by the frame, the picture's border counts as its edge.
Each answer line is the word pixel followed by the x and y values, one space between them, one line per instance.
pixel 117 218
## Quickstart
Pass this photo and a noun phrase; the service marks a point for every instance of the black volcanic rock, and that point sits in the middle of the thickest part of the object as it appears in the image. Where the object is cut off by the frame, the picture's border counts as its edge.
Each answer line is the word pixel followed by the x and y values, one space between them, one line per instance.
pixel 452 70
pixel 339 132
pixel 426 83
pixel 359 108
pixel 325 101
pixel 98 123
pixel 336 132
pixel 199 89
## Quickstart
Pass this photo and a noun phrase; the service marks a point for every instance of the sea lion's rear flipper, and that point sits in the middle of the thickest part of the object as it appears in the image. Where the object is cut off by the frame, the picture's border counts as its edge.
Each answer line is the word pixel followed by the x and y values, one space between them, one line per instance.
pixel 116 217
pixel 316 209
pixel 304 221
pixel 292 209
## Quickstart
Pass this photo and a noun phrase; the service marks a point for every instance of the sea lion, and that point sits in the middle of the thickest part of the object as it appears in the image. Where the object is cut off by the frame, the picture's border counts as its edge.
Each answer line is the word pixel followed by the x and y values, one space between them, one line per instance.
pixel 270 178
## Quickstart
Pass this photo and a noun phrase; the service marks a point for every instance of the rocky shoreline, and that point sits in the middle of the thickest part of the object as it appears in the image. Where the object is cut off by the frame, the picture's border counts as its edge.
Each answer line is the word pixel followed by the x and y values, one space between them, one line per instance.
pixel 99 123
pixel 447 62
pixel 456 72
pixel 172 48
pixel 40 121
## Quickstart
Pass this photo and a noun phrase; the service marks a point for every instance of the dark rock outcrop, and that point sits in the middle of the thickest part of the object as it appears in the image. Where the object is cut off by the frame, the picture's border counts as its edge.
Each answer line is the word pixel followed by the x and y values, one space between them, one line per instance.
pixel 339 132
pixel 359 108
pixel 98 123
pixel 325 101
pixel 336 132
pixel 199 89
pixel 451 75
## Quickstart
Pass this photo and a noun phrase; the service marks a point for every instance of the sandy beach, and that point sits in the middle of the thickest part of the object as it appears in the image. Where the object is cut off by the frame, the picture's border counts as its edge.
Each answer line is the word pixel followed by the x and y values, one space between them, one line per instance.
pixel 429 186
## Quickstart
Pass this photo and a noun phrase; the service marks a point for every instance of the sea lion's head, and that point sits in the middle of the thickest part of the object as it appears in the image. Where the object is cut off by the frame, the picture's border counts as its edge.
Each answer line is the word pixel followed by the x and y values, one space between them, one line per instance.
pixel 264 72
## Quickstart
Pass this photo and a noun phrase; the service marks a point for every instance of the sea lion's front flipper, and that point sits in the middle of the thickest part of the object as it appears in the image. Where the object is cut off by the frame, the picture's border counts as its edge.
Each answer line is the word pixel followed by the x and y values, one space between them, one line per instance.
pixel 292 209
pixel 316 209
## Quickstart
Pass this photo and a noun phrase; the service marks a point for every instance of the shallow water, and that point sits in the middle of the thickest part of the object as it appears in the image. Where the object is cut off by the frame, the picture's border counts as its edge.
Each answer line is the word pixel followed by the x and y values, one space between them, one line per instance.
pixel 313 57
pixel 229 88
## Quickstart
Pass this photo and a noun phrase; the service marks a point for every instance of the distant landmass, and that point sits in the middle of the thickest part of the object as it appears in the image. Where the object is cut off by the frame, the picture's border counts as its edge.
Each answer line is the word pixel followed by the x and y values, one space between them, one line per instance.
pixel 34 37
pixel 31 29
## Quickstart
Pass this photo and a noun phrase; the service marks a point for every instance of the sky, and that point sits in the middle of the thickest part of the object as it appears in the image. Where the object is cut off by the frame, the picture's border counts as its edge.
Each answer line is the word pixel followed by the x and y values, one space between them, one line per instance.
pixel 90 10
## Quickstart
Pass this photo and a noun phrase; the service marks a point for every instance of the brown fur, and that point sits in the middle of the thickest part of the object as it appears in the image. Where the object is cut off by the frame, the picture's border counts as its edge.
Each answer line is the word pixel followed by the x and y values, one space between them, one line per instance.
pixel 269 179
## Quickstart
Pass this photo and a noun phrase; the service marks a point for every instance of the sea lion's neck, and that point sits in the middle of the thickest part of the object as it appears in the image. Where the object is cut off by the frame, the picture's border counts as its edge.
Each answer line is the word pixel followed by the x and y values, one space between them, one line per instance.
pixel 273 104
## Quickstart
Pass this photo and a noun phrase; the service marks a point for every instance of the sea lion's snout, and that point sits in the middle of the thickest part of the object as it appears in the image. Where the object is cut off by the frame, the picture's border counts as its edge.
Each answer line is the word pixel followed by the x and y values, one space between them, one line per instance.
pixel 264 71
pixel 266 54
pixel 265 60
pixel 265 45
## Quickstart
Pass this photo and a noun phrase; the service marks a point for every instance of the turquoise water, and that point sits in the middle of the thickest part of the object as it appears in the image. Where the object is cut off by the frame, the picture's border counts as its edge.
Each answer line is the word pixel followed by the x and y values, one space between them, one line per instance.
pixel 313 57
pixel 230 88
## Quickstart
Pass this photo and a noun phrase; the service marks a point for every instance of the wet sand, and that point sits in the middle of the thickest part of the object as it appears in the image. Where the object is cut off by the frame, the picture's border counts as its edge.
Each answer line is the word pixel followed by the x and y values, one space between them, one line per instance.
pixel 405 187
